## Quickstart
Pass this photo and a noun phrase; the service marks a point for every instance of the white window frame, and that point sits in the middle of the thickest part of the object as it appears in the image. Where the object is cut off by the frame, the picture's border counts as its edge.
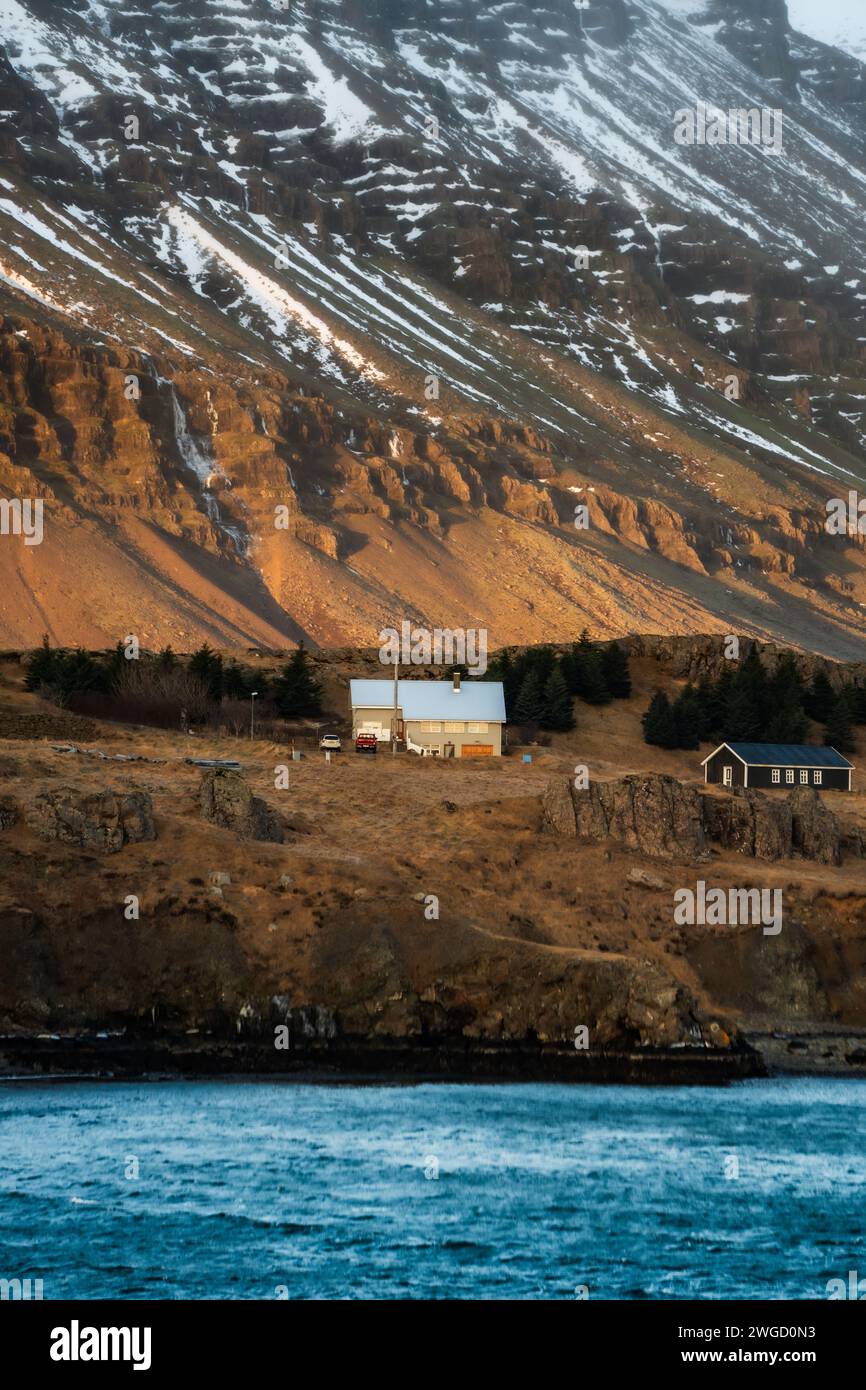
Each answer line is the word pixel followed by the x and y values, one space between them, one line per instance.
pixel 476 728
pixel 455 726
pixel 776 775
pixel 819 778
pixel 804 776
pixel 431 726
pixel 789 775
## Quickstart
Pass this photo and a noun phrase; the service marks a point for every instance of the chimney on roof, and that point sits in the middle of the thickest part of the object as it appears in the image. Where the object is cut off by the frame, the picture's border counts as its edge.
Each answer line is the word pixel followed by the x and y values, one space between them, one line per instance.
pixel 456 686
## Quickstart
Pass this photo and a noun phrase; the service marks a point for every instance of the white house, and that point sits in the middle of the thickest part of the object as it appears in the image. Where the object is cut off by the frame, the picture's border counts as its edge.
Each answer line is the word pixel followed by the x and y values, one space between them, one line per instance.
pixel 445 718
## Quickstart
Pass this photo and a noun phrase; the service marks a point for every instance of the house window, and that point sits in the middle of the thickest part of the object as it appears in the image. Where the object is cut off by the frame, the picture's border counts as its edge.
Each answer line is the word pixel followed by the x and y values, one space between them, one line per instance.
pixel 476 728
pixel 819 778
pixel 789 774
pixel 777 774
pixel 431 726
pixel 454 726
pixel 804 775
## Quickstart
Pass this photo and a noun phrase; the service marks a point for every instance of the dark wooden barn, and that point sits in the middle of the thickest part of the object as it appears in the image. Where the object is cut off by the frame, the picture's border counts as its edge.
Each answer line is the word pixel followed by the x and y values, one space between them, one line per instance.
pixel 785 765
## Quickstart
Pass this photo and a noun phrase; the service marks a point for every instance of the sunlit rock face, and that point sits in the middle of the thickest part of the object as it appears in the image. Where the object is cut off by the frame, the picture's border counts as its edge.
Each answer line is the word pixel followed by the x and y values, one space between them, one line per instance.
pixel 320 313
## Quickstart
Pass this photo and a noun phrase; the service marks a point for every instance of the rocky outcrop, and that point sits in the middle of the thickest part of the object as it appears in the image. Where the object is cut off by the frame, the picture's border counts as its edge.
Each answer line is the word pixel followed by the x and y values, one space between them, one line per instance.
pixel 103 821
pixel 769 828
pixel 664 819
pixel 655 815
pixel 816 832
pixel 226 800
pixel 558 807
pixel 750 824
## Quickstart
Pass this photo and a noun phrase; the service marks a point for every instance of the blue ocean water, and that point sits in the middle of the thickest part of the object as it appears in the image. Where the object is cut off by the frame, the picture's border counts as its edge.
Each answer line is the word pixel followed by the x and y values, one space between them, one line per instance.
pixel 258 1189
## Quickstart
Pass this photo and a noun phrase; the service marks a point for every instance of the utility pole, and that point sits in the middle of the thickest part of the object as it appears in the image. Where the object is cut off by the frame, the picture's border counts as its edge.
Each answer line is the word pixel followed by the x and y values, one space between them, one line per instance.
pixel 394 728
pixel 253 695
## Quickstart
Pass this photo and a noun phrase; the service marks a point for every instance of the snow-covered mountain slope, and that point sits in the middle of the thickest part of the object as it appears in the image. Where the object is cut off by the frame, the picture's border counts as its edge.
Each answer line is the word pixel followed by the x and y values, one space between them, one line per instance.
pixel 422 277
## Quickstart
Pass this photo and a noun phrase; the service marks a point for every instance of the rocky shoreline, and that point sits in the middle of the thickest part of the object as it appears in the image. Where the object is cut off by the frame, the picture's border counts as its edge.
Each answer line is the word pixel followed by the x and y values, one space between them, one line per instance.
pixel 131 1058
pixel 828 1053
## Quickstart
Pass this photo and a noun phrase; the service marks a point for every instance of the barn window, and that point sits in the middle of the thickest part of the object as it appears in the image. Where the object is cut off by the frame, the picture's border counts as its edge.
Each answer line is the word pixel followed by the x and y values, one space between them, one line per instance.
pixel 789 774
pixel 431 726
pixel 819 778
pixel 804 775
pixel 476 728
pixel 454 726
pixel 777 774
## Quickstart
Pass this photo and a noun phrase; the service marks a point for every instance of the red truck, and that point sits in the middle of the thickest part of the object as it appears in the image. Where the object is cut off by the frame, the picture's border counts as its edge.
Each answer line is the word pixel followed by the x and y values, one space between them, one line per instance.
pixel 366 743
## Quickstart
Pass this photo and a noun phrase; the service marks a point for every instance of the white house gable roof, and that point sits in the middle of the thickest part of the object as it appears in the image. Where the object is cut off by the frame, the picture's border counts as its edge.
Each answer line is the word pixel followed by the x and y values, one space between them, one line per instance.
pixel 476 700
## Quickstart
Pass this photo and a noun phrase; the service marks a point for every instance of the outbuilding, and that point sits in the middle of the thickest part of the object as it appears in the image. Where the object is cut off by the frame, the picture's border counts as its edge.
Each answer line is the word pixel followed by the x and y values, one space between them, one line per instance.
pixel 448 719
pixel 777 765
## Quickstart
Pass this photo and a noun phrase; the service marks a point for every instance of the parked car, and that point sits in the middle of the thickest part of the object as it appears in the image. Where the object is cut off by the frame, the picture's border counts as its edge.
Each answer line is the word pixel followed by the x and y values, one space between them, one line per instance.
pixel 330 742
pixel 366 743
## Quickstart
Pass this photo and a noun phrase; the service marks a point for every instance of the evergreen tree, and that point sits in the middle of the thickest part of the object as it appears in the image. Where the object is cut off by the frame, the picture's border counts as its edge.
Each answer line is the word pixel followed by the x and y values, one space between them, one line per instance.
pixel 239 682
pixel 75 673
pixel 208 666
pixel 705 697
pixel 529 706
pixel 543 660
pixel 788 724
pixel 41 665
pixel 686 713
pixel 786 720
pixel 839 730
pixel 575 664
pixel 297 692
pixel 786 682
pixel 820 697
pixel 752 695
pixel 720 702
pixel 659 725
pixel 615 670
pixel 595 688
pixel 504 668
pixel 166 660
pixel 557 709
pixel 743 722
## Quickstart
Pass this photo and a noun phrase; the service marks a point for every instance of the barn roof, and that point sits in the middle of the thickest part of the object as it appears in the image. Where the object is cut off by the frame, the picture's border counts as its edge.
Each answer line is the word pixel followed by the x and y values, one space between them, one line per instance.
pixel 433 699
pixel 784 755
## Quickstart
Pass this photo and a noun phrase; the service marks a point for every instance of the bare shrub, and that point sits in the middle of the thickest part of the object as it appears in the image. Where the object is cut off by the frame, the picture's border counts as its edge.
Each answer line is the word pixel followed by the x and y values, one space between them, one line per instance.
pixel 146 693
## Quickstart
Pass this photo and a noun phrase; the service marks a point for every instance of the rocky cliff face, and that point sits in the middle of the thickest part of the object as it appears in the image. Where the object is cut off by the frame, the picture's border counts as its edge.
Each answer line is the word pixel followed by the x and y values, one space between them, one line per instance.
pixel 316 315
pixel 661 818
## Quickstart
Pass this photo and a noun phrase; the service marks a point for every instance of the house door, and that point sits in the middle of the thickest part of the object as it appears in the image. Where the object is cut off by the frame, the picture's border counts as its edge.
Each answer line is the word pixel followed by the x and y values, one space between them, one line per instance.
pixel 728 776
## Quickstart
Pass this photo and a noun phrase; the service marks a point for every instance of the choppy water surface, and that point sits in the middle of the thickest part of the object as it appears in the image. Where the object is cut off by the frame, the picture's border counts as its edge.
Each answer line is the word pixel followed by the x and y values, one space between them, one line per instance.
pixel 237 1190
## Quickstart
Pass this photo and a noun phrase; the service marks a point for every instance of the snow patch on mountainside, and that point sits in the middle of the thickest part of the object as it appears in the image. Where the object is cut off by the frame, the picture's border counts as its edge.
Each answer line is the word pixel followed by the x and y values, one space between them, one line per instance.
pixel 276 303
pixel 345 113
